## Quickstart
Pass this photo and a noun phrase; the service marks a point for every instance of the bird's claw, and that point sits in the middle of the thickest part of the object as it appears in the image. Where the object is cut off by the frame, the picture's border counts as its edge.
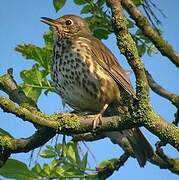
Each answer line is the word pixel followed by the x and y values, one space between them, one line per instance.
pixel 97 122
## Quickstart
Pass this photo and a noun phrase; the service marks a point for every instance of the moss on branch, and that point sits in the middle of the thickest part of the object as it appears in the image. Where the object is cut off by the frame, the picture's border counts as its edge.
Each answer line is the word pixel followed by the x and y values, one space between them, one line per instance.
pixel 65 123
pixel 6 146
pixel 142 112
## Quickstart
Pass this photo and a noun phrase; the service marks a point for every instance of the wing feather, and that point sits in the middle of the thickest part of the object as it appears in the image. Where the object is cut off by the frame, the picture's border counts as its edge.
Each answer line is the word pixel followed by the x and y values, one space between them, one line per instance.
pixel 105 58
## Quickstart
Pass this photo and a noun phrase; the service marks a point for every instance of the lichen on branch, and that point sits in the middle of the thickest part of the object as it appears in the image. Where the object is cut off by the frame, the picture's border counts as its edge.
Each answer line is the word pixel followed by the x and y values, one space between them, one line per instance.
pixel 143 110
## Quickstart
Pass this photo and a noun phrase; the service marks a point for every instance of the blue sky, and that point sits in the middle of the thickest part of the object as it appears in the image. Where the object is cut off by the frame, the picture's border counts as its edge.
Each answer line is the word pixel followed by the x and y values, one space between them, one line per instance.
pixel 20 23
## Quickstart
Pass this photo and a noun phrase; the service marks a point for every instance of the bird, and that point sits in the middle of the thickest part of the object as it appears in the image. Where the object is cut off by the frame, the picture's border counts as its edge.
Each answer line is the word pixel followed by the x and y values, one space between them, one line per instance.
pixel 89 78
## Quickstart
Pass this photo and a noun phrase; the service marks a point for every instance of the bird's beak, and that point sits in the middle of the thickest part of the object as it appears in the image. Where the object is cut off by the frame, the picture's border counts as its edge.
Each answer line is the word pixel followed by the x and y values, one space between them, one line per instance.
pixel 50 22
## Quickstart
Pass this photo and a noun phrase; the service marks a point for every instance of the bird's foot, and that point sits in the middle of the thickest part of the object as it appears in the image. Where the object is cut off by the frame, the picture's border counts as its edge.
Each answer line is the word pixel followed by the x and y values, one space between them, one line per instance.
pixel 97 120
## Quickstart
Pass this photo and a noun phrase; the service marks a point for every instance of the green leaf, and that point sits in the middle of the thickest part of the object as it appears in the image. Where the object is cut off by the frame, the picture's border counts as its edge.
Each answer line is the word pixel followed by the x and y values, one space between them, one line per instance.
pixel 68 171
pixel 101 2
pixel 31 92
pixel 101 33
pixel 35 79
pixel 138 2
pixel 33 76
pixel 58 147
pixel 50 148
pixel 74 173
pixel 48 153
pixel 62 169
pixel 71 153
pixel 152 50
pixel 100 25
pixel 140 35
pixel 34 82
pixel 86 9
pixel 58 4
pixel 3 132
pixel 40 55
pixel 17 170
pixel 36 169
pixel 130 23
pixel 141 49
pixel 46 169
pixel 30 51
pixel 48 39
pixel 80 2
pixel 54 163
pixel 84 161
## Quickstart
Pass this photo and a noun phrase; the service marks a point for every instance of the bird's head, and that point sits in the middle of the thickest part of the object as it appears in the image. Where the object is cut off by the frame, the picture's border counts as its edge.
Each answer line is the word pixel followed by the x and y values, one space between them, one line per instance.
pixel 67 25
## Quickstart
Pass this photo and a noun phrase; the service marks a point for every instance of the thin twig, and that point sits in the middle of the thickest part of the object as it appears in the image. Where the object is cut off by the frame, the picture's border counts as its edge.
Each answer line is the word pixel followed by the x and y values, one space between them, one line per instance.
pixel 161 91
pixel 141 21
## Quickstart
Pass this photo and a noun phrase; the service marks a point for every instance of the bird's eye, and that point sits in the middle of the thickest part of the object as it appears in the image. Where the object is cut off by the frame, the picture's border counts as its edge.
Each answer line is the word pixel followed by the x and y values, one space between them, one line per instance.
pixel 68 22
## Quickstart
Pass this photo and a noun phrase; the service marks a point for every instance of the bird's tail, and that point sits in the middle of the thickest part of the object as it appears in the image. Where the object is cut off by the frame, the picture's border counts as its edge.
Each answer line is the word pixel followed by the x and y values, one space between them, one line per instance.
pixel 140 146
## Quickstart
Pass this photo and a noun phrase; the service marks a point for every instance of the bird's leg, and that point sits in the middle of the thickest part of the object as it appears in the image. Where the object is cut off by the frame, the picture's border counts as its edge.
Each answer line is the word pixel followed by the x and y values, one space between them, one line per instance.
pixel 98 117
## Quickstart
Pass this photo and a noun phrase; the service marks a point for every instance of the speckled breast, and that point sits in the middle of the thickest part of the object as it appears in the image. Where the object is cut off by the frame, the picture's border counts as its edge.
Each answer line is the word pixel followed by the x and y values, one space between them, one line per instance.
pixel 80 81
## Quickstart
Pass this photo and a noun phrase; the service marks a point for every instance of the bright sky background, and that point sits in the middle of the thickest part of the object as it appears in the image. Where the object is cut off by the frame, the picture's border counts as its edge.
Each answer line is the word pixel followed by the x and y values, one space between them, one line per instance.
pixel 20 23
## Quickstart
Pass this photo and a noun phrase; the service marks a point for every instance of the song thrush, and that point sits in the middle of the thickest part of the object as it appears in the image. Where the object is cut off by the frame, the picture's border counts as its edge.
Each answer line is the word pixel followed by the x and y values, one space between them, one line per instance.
pixel 88 77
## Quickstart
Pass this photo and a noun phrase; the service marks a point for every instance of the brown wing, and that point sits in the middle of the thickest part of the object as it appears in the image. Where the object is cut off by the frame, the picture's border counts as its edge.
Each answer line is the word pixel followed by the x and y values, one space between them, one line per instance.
pixel 104 57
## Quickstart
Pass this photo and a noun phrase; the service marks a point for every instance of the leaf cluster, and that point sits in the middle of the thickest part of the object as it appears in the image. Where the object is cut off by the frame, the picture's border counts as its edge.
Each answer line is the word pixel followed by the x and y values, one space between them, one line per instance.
pixel 36 79
pixel 66 162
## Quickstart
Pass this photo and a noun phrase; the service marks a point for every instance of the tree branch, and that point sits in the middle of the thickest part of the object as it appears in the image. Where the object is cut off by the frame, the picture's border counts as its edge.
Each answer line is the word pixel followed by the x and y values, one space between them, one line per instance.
pixel 89 137
pixel 142 111
pixel 164 47
pixel 10 87
pixel 70 124
pixel 113 165
pixel 128 48
pixel 173 98
pixel 125 145
pixel 5 149
pixel 176 121
pixel 40 137
pixel 161 91
pixel 65 123
pixel 10 145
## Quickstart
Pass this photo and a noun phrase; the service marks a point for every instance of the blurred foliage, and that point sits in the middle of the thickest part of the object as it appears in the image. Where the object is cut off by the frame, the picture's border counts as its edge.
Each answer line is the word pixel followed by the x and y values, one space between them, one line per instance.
pixel 65 160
